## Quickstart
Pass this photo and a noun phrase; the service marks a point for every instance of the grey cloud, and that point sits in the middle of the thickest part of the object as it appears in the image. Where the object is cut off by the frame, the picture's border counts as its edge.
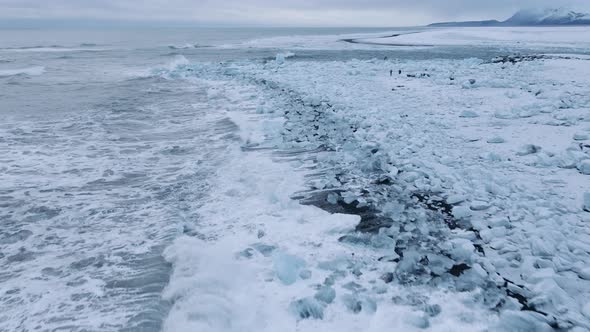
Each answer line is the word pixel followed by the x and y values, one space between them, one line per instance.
pixel 278 12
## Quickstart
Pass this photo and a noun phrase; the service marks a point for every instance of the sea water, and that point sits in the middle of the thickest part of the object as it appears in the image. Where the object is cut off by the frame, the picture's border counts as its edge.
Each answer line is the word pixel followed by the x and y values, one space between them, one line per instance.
pixel 103 162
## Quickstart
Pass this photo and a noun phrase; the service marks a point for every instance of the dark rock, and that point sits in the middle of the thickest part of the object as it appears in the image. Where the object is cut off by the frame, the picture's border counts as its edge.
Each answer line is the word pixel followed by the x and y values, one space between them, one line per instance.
pixel 458 269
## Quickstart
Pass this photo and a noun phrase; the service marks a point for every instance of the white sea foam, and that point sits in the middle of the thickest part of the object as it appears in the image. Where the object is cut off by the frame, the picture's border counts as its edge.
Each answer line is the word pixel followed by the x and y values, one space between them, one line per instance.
pixel 29 71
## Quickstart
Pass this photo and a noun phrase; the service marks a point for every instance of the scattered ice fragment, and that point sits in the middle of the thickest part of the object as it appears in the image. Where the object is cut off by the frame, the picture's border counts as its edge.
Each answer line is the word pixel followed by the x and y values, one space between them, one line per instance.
pixel 314 101
pixel 468 114
pixel 492 156
pixel 433 310
pixel 456 199
pixel 477 269
pixel 528 149
pixel 352 303
pixel 462 250
pixel 584 273
pixel 587 201
pixel 524 321
pixel 287 267
pixel 382 241
pixel 332 198
pixel 439 264
pixel 326 294
pixel 280 58
pixel 461 212
pixel 349 197
pixel 246 253
pixel 542 247
pixel 369 305
pixel 307 308
pixel 496 232
pixel 479 205
pixel 540 274
pixel 584 167
pixel 380 288
pixel 469 84
pixel 471 139
pixel 580 137
pixel 496 140
pixel 265 249
pixel 419 321
pixel 305 274
pixel 387 277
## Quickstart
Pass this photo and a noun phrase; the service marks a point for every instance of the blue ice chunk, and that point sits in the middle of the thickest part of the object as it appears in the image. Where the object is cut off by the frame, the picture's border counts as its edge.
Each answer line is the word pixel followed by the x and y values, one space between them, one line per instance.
pixel 305 274
pixel 265 249
pixel 287 267
pixel 521 321
pixel 352 303
pixel 356 303
pixel 325 294
pixel 419 321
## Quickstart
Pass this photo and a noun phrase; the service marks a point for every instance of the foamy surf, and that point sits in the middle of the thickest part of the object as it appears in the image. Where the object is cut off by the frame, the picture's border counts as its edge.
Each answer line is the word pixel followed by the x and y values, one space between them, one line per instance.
pixel 29 71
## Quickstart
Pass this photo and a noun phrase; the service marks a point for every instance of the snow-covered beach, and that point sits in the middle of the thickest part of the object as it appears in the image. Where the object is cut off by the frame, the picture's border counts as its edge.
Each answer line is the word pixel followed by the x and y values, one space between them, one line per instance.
pixel 468 179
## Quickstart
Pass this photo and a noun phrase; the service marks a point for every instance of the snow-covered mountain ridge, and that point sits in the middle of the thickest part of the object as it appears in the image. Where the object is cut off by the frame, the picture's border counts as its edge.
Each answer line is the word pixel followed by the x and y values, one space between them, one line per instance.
pixel 552 16
pixel 532 17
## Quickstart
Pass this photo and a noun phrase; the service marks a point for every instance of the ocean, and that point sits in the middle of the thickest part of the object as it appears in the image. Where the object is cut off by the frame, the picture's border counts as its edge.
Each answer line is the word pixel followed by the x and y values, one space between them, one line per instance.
pixel 104 163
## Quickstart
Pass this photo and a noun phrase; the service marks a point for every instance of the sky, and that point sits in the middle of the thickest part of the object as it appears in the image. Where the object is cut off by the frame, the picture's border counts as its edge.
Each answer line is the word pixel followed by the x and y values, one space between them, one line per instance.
pixel 339 13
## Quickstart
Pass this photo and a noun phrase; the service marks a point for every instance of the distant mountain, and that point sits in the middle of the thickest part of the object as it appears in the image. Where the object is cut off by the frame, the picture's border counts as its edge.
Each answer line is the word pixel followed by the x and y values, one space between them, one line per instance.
pixel 560 16
pixel 529 17
pixel 467 24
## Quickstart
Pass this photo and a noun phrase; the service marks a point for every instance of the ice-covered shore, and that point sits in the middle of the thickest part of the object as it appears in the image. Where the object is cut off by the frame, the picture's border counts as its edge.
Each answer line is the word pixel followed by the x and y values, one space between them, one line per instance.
pixel 572 37
pixel 453 194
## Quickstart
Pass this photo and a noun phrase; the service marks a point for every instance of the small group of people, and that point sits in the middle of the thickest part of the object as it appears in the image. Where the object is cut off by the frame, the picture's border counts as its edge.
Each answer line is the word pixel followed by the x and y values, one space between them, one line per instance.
pixel 391 72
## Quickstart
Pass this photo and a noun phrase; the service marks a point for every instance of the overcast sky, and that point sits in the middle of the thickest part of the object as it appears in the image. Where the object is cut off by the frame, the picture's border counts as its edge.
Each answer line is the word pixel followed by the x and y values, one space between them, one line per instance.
pixel 278 12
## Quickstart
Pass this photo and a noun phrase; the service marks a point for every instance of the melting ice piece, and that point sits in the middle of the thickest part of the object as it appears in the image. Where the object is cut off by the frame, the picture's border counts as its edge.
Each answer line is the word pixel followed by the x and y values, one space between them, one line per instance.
pixel 419 321
pixel 264 249
pixel 522 321
pixel 462 250
pixel 456 199
pixel 356 303
pixel 287 267
pixel 461 212
pixel 325 294
pixel 307 308
pixel 584 167
pixel 468 114
pixel 281 57
pixel 496 140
